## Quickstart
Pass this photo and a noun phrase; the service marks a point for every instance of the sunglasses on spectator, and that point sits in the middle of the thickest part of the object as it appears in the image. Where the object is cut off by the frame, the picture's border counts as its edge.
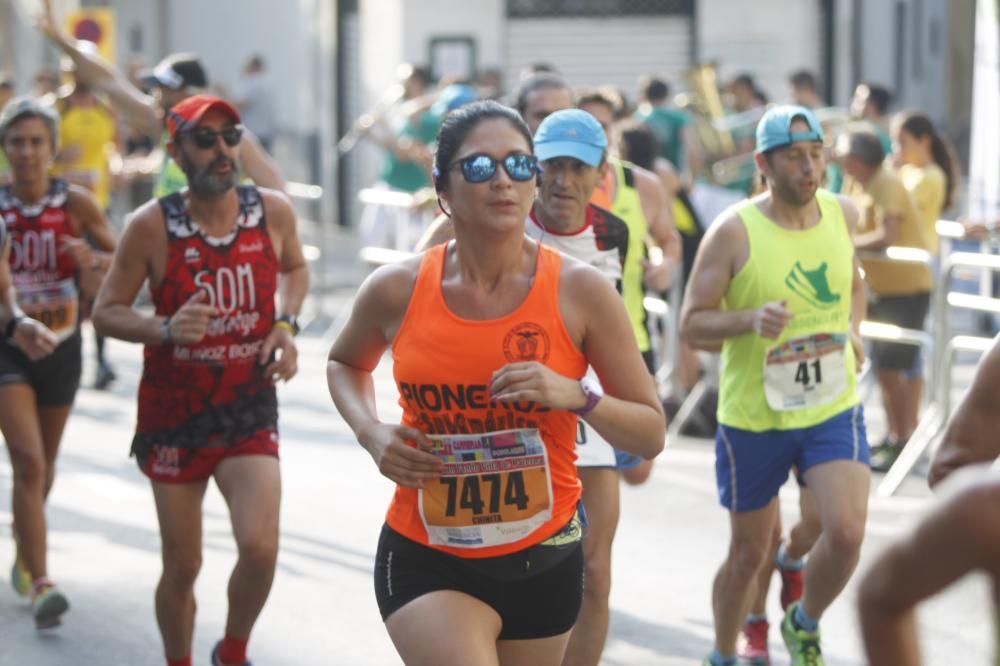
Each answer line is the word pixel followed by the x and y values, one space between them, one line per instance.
pixel 480 168
pixel 205 138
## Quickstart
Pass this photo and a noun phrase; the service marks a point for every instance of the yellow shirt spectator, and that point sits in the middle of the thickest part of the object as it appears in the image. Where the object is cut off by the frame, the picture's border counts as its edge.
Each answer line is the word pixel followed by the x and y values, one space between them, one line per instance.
pixel 928 187
pixel 883 197
pixel 86 137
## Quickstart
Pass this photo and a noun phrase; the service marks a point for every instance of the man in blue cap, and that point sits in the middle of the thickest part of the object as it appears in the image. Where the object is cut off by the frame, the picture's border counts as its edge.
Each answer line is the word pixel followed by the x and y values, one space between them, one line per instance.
pixel 776 285
pixel 571 147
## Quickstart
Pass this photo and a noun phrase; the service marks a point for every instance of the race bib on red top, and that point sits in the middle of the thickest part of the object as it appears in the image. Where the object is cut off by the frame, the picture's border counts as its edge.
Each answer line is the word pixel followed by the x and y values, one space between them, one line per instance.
pixel 495 489
pixel 55 305
pixel 808 371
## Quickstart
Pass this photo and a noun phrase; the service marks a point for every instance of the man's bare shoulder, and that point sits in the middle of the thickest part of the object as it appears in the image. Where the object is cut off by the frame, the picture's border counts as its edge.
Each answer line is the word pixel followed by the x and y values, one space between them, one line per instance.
pixel 147 219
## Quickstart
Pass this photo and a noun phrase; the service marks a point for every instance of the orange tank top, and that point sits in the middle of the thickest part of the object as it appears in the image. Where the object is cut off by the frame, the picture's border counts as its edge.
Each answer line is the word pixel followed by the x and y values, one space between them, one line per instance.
pixel 509 478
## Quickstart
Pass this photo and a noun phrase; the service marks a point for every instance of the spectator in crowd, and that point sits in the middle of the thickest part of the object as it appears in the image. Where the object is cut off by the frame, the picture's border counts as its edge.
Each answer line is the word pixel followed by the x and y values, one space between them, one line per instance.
pixel 87 143
pixel 6 93
pixel 805 89
pixel 255 101
pixel 534 68
pixel 928 167
pixel 871 105
pixel 672 126
pixel 899 292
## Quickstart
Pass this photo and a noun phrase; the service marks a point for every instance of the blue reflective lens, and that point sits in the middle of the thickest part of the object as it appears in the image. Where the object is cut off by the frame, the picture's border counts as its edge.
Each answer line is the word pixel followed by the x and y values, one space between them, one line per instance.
pixel 480 168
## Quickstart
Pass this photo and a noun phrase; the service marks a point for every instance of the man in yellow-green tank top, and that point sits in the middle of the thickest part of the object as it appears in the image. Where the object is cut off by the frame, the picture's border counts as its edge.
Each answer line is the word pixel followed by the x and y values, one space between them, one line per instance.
pixel 776 285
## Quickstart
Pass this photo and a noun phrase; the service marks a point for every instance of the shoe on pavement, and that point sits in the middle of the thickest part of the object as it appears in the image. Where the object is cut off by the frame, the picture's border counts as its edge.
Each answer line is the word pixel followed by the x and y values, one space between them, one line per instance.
pixel 803 646
pixel 218 662
pixel 884 459
pixel 47 605
pixel 752 648
pixel 105 376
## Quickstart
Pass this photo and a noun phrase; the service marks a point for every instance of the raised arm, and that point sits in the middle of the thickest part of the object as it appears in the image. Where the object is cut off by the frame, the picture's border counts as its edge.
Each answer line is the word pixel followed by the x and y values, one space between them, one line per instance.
pixel 138 108
pixel 374 320
pixel 258 165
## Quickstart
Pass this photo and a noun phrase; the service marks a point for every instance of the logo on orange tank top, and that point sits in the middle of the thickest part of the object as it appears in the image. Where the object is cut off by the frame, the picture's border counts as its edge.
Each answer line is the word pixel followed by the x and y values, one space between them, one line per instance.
pixel 526 342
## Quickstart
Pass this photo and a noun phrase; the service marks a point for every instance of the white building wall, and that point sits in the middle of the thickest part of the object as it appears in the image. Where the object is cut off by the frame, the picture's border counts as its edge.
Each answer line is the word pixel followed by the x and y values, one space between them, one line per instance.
pixel 482 20
pixel 766 38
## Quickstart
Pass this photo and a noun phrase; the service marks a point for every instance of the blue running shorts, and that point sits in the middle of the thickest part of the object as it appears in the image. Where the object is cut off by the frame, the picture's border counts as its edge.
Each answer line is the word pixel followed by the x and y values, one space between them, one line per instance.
pixel 750 467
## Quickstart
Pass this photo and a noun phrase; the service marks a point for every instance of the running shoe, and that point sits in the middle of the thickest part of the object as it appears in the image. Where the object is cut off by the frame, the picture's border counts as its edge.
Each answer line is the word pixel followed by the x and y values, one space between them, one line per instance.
pixel 803 646
pixel 105 376
pixel 753 643
pixel 882 460
pixel 20 577
pixel 48 605
pixel 218 662
pixel 792 584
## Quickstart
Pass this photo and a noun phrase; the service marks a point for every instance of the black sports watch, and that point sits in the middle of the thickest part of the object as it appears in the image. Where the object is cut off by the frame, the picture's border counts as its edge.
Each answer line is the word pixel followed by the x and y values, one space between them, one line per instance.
pixel 291 323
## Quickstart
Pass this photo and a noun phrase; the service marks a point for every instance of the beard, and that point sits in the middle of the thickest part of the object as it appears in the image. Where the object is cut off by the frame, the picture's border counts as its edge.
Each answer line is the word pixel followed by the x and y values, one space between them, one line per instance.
pixel 204 182
pixel 788 192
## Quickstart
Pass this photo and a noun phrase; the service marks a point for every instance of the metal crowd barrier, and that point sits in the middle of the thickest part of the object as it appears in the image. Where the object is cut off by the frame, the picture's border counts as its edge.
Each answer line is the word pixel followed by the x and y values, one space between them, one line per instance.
pixel 935 418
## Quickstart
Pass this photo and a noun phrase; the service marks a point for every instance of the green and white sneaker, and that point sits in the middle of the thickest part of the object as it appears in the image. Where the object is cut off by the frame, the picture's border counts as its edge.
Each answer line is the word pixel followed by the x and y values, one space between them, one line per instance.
pixel 48 605
pixel 803 646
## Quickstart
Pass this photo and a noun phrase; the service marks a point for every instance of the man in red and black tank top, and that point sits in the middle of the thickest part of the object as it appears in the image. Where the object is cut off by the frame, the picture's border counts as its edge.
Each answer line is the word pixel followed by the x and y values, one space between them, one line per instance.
pixel 212 255
pixel 40 361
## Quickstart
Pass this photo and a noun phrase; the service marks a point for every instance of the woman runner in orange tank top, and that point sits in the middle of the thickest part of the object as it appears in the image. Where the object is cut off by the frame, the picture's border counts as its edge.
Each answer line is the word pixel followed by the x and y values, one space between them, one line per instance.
pixel 479 560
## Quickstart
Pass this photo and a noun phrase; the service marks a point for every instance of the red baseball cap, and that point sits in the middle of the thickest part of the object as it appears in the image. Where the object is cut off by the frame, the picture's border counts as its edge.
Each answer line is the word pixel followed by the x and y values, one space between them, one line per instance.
pixel 187 113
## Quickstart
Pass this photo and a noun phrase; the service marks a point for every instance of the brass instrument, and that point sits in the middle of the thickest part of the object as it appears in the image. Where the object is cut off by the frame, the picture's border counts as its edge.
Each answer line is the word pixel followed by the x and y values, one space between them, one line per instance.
pixel 705 105
pixel 370 118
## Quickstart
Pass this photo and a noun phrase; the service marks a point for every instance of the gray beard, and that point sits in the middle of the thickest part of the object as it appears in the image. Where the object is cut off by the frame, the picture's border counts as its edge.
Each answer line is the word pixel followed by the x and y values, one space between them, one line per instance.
pixel 204 184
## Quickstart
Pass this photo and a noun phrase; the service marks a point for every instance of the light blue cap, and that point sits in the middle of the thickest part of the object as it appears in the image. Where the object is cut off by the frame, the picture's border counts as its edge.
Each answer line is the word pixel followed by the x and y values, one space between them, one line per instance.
pixel 452 97
pixel 774 129
pixel 571 133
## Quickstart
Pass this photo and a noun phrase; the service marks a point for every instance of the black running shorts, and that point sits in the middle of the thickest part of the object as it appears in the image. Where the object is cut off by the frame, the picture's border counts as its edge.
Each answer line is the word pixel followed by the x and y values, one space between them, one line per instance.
pixel 55 378
pixel 537 592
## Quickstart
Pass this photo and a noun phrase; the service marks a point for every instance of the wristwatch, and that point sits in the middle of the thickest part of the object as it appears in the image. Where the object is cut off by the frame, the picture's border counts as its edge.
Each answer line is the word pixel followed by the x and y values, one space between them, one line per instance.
pixel 594 392
pixel 289 322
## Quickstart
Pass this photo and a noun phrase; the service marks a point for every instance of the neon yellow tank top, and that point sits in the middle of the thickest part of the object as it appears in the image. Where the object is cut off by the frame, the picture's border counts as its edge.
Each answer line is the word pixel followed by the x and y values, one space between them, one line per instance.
pixel 807 375
pixel 88 130
pixel 628 207
pixel 171 178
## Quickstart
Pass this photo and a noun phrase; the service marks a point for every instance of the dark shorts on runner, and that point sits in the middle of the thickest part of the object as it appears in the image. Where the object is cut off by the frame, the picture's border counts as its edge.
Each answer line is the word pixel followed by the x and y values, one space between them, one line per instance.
pixel 182 464
pixel 750 467
pixel 55 378
pixel 907 311
pixel 537 592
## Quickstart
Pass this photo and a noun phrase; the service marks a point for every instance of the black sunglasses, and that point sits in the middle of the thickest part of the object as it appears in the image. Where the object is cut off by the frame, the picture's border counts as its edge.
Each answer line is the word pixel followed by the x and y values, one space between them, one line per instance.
pixel 480 168
pixel 205 138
